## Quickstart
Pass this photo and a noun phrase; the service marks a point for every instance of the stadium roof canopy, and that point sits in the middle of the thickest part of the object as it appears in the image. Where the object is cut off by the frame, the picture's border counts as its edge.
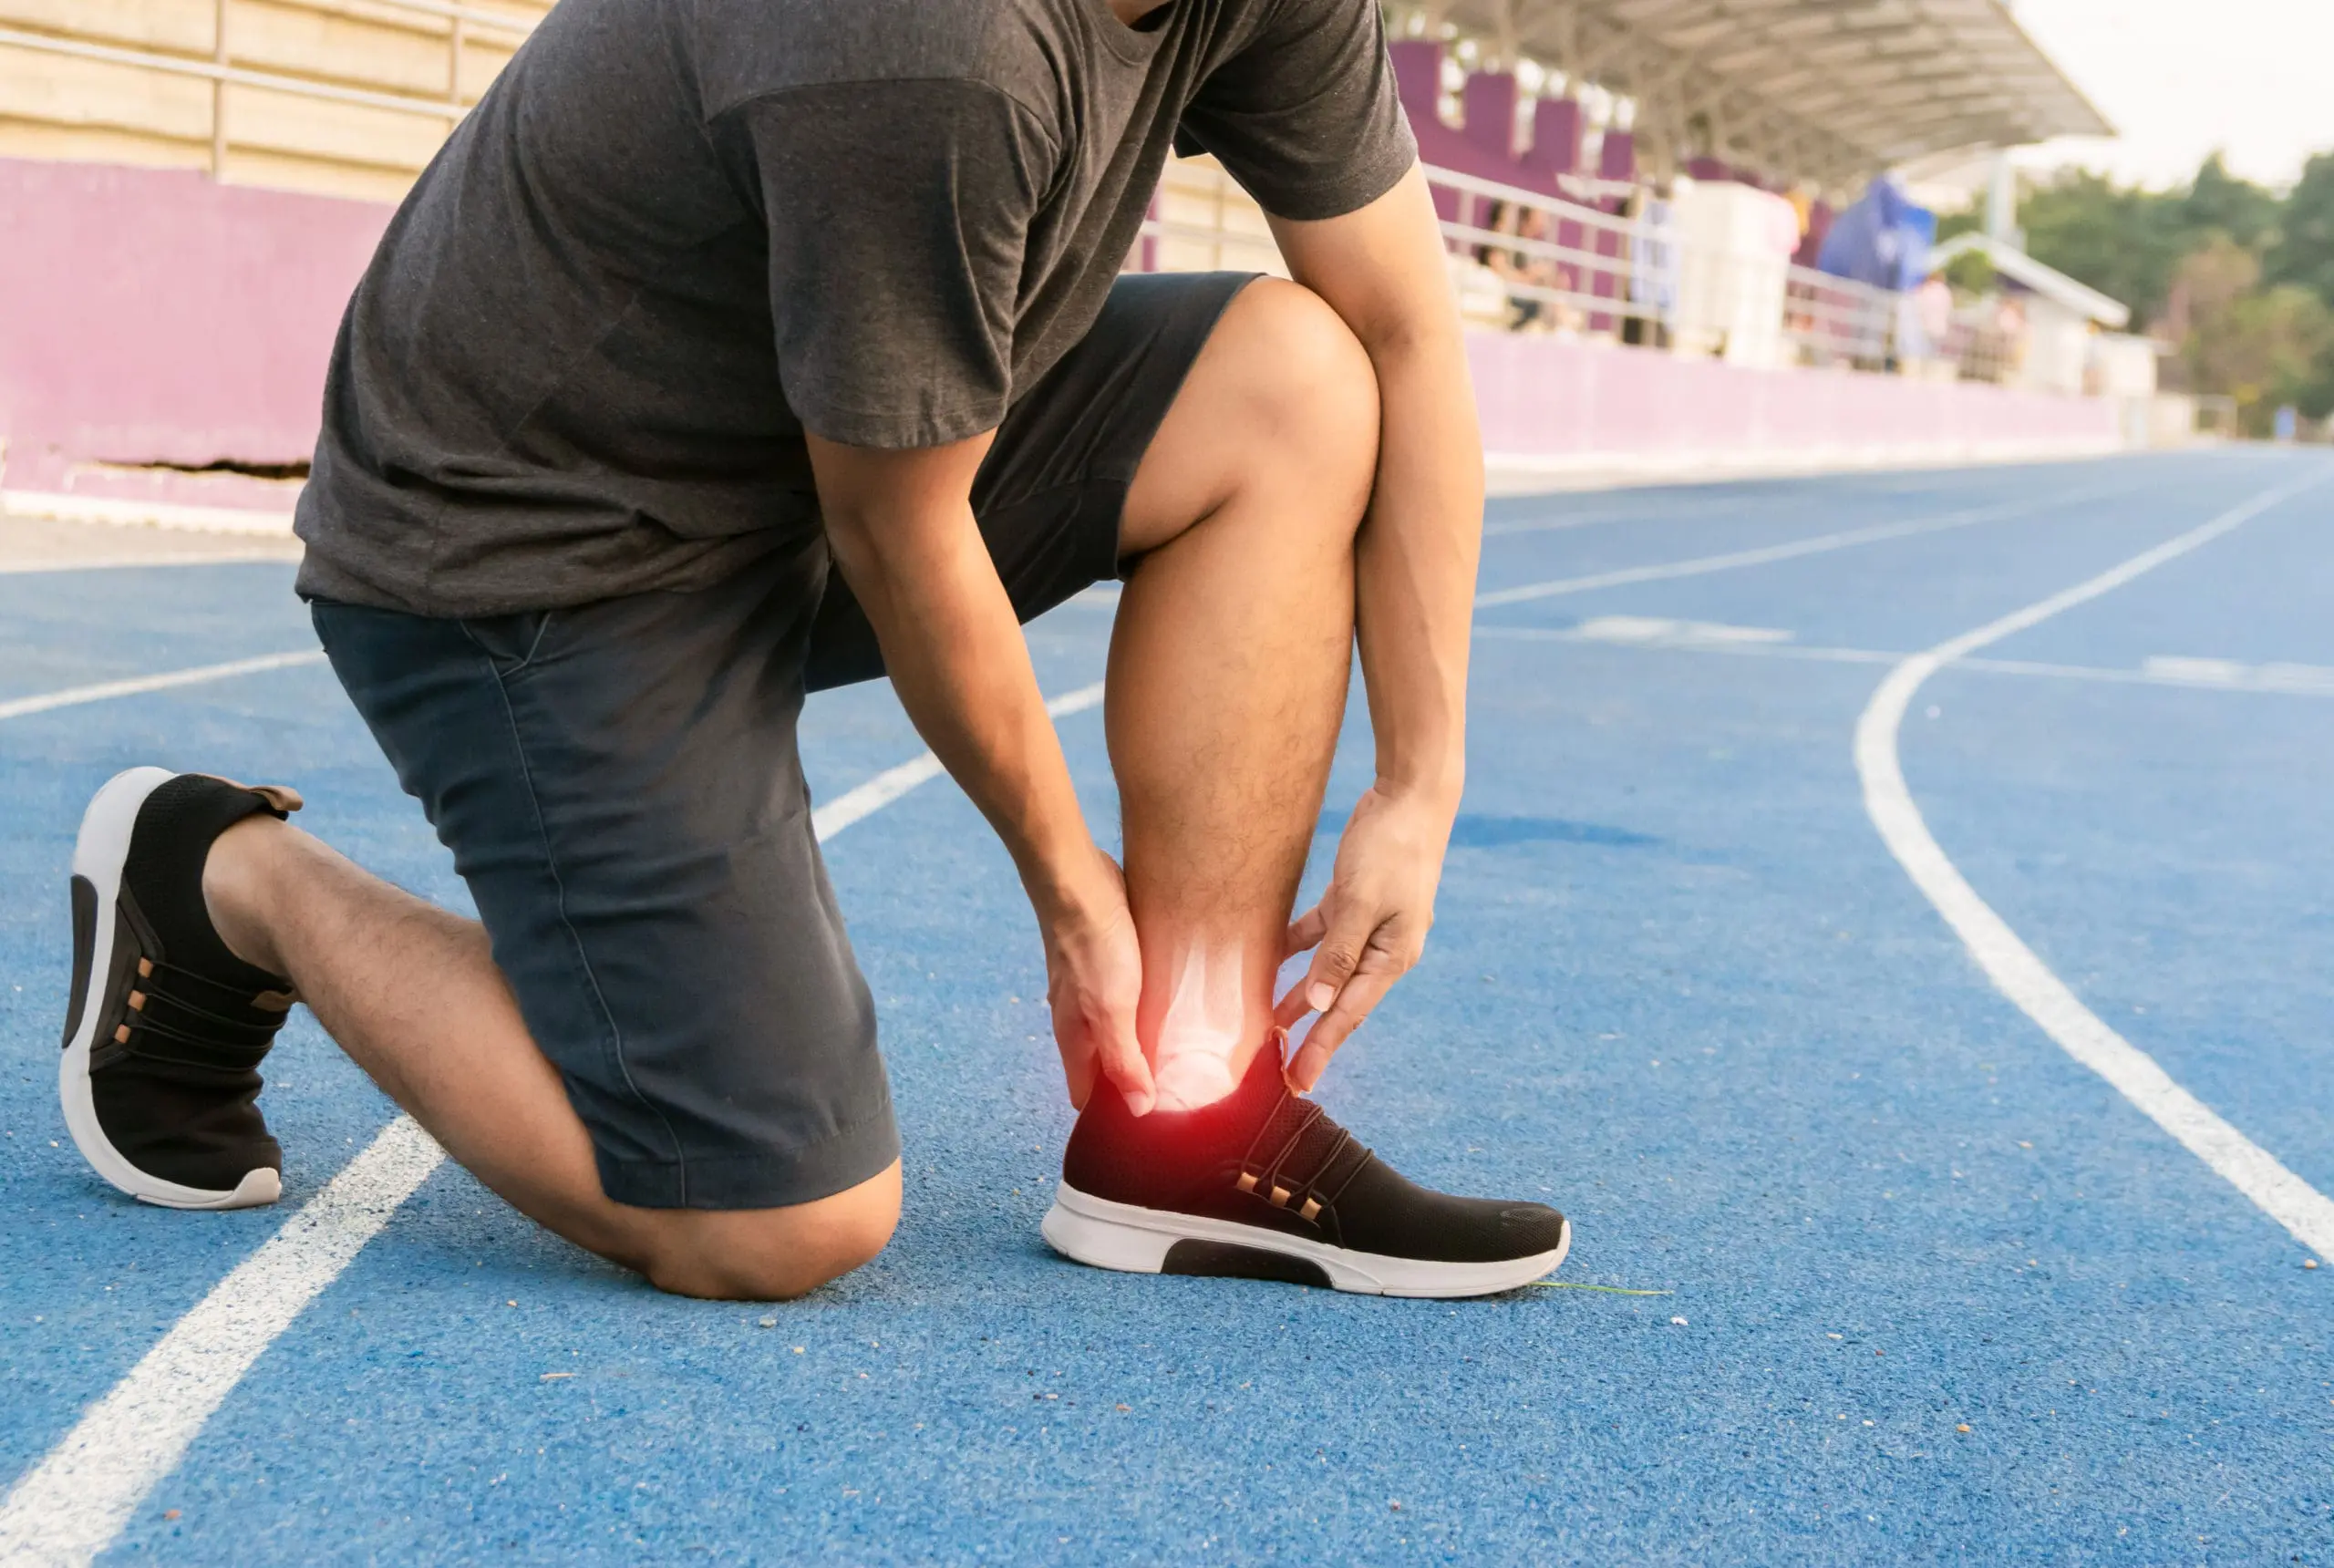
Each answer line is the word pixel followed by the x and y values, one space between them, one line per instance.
pixel 1831 89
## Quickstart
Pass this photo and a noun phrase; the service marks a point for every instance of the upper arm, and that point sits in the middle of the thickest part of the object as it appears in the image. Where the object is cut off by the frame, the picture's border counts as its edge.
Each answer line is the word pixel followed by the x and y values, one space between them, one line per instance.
pixel 864 490
pixel 883 508
pixel 896 213
pixel 1305 113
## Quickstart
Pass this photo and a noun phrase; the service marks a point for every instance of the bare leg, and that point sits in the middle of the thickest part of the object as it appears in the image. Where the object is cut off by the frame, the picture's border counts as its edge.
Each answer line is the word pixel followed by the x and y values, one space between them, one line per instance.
pixel 1229 665
pixel 411 993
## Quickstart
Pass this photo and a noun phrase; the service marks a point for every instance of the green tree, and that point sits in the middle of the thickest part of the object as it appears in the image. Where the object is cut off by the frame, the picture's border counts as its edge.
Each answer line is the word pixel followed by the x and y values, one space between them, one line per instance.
pixel 2289 331
pixel 2219 203
pixel 2263 348
pixel 2240 278
pixel 2125 243
pixel 2303 252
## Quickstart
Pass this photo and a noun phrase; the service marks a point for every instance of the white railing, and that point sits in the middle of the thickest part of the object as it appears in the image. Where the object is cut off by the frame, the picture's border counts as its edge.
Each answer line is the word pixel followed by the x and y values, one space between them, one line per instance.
pixel 1578 265
pixel 1838 321
pixel 1533 262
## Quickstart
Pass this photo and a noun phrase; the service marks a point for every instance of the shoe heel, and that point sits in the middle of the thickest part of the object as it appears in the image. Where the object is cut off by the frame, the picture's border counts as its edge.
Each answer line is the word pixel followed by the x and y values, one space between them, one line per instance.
pixel 1104 1243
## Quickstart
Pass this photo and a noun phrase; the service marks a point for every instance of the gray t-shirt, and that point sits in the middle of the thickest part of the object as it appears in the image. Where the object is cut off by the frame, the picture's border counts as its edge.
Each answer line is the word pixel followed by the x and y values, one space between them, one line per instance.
pixel 679 233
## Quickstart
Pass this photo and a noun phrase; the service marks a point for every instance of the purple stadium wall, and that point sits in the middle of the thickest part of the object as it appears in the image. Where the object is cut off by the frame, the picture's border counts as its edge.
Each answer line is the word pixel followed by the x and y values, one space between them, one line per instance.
pixel 151 316
pixel 1559 406
pixel 153 322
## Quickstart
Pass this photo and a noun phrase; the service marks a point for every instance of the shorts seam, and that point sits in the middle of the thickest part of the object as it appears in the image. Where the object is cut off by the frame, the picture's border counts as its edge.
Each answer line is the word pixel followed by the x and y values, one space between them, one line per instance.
pixel 614 1032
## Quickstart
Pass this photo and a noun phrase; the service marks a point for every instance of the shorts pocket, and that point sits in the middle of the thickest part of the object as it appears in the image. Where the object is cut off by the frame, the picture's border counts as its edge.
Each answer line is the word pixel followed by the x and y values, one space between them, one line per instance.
pixel 509 642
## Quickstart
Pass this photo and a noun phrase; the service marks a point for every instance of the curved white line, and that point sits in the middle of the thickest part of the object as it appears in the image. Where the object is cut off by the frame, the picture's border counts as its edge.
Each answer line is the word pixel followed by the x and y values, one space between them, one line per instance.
pixel 2013 967
pixel 69 1507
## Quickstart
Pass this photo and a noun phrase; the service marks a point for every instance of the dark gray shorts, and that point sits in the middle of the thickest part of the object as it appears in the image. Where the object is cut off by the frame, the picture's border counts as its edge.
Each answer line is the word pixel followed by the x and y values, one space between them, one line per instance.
pixel 620 787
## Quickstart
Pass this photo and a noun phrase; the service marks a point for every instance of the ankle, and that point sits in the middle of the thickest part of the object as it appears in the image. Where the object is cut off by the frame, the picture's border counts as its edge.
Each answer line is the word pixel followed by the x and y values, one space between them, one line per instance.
pixel 238 877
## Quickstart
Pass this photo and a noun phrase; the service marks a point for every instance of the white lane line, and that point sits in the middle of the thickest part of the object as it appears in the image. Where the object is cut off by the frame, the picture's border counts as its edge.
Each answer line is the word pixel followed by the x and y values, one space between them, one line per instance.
pixel 1845 539
pixel 1801 491
pixel 2269 680
pixel 118 563
pixel 73 697
pixel 893 782
pixel 1754 648
pixel 69 1507
pixel 2013 967
pixel 2175 670
pixel 1662 631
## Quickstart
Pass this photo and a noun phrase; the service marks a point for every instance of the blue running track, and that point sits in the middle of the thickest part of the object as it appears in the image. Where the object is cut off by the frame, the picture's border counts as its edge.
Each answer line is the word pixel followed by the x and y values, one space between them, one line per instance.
pixel 1928 1288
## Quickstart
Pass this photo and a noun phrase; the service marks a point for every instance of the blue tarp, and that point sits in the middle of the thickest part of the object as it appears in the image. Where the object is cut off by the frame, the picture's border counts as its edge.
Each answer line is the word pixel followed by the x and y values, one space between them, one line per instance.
pixel 1883 239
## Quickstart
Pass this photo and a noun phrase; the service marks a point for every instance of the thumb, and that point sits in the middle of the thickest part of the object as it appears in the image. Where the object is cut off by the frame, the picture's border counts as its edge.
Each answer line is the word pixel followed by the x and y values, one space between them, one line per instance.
pixel 1123 1062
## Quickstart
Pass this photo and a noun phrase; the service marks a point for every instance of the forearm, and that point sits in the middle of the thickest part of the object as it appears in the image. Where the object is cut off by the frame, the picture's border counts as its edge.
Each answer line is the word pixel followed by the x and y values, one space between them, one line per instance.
pixel 1414 567
pixel 1385 271
pixel 955 654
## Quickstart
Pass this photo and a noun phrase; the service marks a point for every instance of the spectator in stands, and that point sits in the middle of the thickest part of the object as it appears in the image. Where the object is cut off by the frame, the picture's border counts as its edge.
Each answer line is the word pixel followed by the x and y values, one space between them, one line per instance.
pixel 810 366
pixel 1509 266
pixel 1525 269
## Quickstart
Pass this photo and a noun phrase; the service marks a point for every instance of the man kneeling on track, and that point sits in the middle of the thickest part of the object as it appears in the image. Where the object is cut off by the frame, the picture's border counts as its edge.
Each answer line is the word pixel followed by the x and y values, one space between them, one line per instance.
pixel 735 350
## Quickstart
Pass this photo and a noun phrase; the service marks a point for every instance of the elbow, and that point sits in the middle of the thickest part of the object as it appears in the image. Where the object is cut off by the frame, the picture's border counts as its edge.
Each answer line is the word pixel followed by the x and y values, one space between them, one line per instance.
pixel 853 539
pixel 1412 330
pixel 856 549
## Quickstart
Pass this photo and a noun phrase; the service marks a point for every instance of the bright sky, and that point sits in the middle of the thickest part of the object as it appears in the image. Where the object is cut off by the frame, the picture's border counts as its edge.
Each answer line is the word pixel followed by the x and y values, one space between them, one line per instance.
pixel 2179 78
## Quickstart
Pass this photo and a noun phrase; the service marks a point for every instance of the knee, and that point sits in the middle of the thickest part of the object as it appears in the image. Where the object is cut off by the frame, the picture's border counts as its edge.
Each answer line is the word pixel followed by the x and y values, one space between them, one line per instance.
pixel 1310 391
pixel 776 1254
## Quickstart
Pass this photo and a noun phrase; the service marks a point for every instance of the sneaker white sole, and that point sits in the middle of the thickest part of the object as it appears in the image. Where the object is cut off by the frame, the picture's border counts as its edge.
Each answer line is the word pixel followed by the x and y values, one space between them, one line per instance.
pixel 1134 1239
pixel 97 857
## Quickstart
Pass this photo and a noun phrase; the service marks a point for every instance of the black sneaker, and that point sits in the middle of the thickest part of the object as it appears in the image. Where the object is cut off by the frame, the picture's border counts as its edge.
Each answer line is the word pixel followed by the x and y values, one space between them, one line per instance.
pixel 1262 1185
pixel 165 1029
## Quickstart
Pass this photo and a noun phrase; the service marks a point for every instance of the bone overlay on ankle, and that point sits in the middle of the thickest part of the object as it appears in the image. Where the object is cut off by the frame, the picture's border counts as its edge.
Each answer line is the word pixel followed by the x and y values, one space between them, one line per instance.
pixel 1192 1066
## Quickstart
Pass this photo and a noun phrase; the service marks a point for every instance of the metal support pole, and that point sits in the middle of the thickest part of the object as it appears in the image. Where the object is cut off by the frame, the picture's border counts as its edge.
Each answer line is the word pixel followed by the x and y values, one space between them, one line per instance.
pixel 219 91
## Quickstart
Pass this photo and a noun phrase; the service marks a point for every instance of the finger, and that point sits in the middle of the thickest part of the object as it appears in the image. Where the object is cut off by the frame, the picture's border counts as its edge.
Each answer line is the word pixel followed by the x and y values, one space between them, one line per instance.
pixel 1336 958
pixel 1123 1063
pixel 1291 1008
pixel 1304 931
pixel 1078 1069
pixel 1356 1001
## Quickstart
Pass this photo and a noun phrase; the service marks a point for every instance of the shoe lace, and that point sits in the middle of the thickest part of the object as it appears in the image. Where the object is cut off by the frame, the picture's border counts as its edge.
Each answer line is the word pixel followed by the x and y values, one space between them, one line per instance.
pixel 1301 1158
pixel 221 1041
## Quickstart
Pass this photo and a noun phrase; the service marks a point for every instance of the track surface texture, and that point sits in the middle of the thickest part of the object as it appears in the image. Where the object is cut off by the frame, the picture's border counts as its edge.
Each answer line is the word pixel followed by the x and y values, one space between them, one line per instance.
pixel 1931 1290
